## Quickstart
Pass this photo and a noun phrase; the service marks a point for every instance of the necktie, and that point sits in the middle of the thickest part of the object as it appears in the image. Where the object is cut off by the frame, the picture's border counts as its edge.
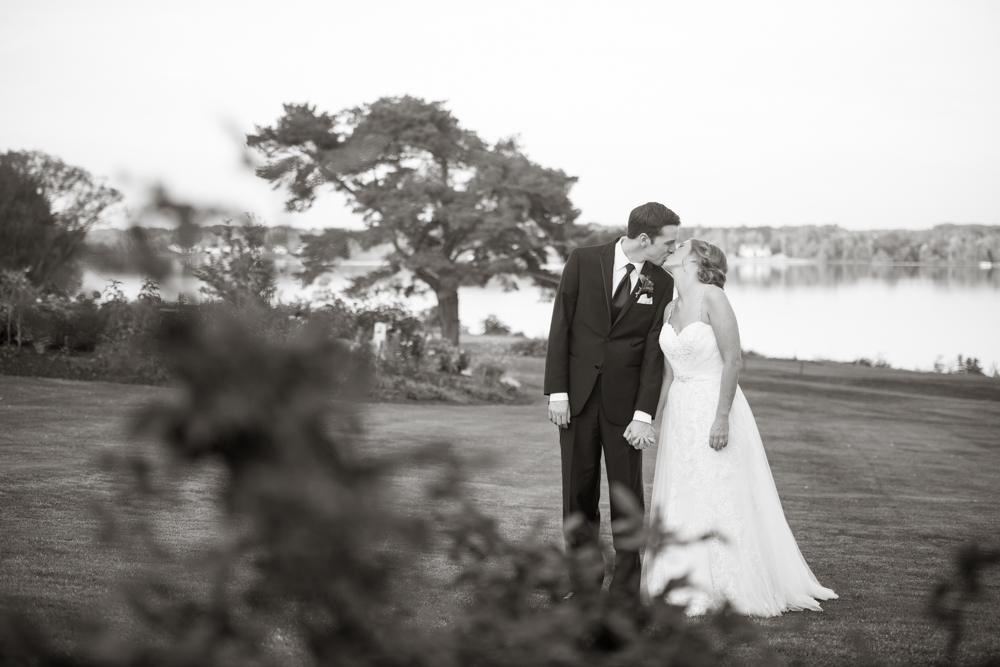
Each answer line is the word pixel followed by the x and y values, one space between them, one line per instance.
pixel 622 293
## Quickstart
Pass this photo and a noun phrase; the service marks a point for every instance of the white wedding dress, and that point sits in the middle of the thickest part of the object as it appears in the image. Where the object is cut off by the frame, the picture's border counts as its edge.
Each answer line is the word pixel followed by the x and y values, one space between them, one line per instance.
pixel 758 567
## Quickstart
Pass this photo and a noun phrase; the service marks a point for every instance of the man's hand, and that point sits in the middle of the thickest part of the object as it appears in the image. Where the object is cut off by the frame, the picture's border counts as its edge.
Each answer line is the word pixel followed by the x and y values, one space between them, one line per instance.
pixel 640 434
pixel 559 413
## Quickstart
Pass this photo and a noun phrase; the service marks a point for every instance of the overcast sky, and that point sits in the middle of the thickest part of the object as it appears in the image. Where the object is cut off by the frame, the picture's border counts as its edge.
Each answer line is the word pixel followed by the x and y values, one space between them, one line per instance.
pixel 867 114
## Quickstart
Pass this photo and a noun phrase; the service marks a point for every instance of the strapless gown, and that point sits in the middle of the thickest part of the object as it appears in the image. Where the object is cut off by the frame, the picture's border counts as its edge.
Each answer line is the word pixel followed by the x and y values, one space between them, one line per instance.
pixel 696 490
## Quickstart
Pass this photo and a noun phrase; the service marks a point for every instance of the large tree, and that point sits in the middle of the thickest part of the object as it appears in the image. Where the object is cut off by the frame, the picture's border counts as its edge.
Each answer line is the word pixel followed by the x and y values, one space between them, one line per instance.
pixel 26 221
pixel 46 243
pixel 454 210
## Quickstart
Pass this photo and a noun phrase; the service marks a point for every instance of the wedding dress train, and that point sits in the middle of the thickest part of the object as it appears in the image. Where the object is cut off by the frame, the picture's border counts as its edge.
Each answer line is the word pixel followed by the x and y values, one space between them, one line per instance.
pixel 755 563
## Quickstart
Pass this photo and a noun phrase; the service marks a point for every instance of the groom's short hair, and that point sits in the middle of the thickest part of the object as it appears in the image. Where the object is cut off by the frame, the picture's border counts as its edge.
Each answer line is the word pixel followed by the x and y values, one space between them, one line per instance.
pixel 650 219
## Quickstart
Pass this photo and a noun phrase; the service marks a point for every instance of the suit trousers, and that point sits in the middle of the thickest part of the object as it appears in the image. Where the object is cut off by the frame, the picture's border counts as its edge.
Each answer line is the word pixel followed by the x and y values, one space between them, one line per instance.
pixel 581 444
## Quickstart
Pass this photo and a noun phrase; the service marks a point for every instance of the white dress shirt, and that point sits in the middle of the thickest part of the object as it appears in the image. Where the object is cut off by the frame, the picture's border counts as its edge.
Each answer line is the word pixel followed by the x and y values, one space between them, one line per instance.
pixel 616 277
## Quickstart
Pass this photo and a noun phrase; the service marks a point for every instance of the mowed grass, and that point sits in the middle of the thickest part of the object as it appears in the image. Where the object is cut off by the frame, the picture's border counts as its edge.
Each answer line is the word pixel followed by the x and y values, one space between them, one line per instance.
pixel 883 475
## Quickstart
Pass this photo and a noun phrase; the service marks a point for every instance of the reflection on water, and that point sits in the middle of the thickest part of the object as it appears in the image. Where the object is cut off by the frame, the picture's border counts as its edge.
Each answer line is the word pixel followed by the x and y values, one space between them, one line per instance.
pixel 911 316
pixel 799 275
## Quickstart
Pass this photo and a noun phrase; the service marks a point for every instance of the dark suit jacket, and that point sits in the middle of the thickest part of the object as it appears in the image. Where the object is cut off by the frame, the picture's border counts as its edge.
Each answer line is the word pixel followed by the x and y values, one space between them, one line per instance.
pixel 584 342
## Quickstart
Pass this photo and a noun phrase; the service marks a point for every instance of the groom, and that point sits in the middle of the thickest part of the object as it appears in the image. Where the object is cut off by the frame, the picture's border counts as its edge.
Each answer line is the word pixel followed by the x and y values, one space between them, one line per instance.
pixel 603 371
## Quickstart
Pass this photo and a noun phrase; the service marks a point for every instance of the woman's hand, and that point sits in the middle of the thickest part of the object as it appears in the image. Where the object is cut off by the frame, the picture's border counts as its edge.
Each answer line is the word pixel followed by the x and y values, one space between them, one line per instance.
pixel 718 437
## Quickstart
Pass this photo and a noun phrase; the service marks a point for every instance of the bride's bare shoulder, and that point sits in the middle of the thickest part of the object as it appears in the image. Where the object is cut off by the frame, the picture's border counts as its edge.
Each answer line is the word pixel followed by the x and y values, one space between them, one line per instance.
pixel 715 294
pixel 716 300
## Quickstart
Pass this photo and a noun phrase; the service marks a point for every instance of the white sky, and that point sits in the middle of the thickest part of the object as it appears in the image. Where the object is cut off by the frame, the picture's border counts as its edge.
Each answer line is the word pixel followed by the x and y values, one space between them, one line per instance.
pixel 868 114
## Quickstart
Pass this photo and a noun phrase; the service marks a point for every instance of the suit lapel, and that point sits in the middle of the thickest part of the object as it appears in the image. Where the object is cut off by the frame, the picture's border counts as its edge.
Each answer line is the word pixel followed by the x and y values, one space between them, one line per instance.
pixel 632 299
pixel 608 269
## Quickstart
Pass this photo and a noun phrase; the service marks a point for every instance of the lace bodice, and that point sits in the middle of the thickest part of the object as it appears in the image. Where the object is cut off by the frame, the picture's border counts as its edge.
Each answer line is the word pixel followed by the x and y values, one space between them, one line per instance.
pixel 693 353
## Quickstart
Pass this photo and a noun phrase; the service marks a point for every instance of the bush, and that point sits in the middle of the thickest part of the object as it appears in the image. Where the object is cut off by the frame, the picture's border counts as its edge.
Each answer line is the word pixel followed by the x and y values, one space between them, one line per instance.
pixel 492 326
pixel 530 347
pixel 879 362
pixel 237 271
pixel 490 364
pixel 309 543
pixel 445 357
pixel 118 339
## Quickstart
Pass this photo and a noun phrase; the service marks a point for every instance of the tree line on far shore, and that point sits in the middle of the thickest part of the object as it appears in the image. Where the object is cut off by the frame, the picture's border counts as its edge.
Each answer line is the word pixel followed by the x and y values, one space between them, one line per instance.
pixel 942 244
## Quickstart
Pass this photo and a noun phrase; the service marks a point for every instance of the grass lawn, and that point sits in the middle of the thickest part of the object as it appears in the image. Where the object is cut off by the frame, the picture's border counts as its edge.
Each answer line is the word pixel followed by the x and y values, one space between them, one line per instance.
pixel 883 475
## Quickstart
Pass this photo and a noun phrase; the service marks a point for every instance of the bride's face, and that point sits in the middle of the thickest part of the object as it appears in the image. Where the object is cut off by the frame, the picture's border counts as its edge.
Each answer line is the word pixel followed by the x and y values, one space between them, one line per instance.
pixel 676 258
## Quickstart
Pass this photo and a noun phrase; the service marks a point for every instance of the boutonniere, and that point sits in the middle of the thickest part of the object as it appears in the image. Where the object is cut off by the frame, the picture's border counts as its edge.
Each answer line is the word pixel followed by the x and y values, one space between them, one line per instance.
pixel 645 286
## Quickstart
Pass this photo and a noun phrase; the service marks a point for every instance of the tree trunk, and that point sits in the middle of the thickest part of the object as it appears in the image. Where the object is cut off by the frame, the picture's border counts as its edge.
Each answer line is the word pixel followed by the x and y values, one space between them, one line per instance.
pixel 7 308
pixel 448 311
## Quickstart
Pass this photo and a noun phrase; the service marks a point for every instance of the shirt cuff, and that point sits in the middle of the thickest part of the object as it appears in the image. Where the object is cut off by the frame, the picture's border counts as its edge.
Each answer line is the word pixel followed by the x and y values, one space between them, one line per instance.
pixel 558 396
pixel 641 416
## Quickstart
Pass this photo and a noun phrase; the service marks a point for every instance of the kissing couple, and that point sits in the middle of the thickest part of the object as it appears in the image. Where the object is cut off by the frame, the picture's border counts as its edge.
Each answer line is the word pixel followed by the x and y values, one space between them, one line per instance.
pixel 623 350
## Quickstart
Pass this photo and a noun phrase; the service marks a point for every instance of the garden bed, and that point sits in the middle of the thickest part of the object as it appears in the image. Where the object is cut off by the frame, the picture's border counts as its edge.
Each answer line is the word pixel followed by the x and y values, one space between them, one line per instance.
pixel 104 367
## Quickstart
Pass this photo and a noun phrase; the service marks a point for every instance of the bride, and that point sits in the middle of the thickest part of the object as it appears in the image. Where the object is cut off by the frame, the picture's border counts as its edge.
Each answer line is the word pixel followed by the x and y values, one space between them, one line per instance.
pixel 712 475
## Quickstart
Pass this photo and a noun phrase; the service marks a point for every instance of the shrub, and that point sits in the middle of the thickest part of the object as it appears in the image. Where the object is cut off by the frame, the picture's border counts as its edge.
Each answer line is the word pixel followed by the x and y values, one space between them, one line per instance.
pixel 404 347
pixel 72 325
pixel 445 357
pixel 237 272
pixel 17 294
pixel 119 336
pixel 530 347
pixel 310 543
pixel 490 364
pixel 492 326
pixel 879 362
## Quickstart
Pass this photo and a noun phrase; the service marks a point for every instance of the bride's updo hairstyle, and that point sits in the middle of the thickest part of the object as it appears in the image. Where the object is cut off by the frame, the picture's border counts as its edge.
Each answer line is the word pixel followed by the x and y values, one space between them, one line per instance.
pixel 712 264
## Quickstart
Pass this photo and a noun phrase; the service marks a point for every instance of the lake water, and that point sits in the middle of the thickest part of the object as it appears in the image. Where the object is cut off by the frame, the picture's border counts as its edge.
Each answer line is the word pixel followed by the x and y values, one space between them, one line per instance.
pixel 910 316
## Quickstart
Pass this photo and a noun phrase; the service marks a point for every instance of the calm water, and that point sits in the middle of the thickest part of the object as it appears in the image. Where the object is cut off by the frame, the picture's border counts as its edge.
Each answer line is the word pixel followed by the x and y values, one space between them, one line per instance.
pixel 909 316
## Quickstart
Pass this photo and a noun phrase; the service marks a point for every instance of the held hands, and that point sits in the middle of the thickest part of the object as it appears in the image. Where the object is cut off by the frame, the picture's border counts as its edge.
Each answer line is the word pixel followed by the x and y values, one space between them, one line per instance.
pixel 718 437
pixel 640 434
pixel 559 413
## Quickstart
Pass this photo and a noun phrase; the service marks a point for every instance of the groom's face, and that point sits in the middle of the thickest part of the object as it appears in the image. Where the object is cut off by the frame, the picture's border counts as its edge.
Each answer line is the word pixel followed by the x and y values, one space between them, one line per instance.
pixel 663 245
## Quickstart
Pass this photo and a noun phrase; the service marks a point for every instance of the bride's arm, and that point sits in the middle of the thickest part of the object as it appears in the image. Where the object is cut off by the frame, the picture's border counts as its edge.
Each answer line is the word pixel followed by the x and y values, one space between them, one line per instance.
pixel 727 336
pixel 668 377
pixel 668 373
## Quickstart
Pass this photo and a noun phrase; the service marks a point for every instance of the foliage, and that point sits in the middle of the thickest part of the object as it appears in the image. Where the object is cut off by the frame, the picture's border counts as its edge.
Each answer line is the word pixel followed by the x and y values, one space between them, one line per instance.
pixel 311 550
pixel 104 336
pixel 952 599
pixel 491 364
pixel 530 347
pixel 878 362
pixel 128 350
pixel 16 294
pixel 321 252
pixel 963 366
pixel 73 324
pixel 943 244
pixel 48 242
pixel 26 223
pixel 492 326
pixel 311 545
pixel 237 271
pixel 452 209
pixel 968 366
pixel 446 357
